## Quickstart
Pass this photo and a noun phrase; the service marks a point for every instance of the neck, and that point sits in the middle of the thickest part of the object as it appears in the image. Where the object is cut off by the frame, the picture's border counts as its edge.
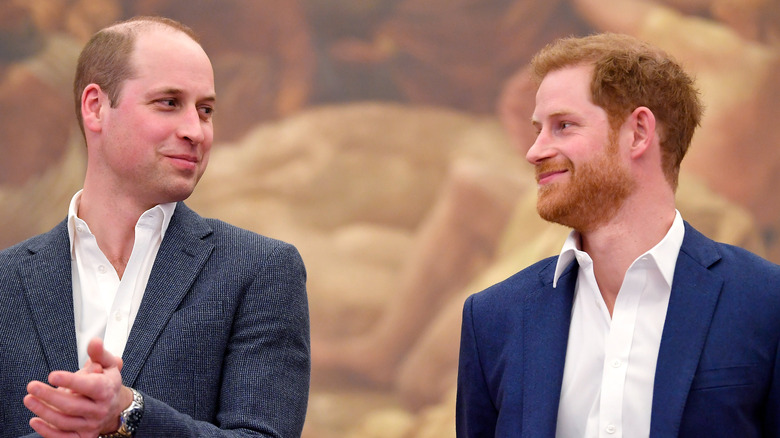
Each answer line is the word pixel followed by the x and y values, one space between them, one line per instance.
pixel 636 228
pixel 112 221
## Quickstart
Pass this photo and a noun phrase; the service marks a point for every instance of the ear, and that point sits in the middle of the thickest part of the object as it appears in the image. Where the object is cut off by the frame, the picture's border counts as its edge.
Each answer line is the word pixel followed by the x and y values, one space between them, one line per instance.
pixel 642 125
pixel 92 101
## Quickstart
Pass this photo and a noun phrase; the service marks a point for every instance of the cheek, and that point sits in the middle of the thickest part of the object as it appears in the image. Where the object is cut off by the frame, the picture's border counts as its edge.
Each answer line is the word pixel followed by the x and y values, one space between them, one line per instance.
pixel 208 142
pixel 205 160
pixel 208 132
pixel 157 131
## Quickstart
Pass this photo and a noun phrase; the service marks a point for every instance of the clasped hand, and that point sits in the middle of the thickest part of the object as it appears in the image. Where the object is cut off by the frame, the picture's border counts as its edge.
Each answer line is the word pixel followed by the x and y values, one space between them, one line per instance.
pixel 83 404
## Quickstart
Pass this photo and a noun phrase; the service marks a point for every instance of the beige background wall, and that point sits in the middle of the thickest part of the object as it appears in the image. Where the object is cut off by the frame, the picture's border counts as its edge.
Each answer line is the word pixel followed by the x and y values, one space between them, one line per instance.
pixel 369 134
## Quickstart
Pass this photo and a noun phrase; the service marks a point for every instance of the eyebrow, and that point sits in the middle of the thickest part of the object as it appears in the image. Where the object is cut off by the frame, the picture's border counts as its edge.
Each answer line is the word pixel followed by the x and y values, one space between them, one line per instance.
pixel 552 115
pixel 178 92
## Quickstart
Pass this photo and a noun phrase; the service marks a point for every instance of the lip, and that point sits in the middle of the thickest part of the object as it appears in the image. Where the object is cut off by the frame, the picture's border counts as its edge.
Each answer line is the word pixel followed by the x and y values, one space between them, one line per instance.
pixel 184 161
pixel 549 176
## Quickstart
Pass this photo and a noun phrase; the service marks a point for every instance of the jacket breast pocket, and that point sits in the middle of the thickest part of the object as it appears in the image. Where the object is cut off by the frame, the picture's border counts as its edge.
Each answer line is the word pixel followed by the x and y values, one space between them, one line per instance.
pixel 191 351
pixel 725 377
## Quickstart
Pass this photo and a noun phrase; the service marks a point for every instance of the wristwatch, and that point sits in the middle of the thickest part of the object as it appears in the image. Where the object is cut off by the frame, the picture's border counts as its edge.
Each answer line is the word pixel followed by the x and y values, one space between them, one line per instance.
pixel 130 418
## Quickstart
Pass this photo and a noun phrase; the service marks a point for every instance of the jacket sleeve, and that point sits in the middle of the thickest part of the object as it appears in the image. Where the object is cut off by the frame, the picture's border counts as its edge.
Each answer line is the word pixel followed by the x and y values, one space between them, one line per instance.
pixel 476 414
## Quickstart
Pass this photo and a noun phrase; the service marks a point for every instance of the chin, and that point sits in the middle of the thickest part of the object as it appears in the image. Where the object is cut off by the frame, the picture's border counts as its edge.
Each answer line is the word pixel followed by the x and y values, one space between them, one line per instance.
pixel 563 211
pixel 177 194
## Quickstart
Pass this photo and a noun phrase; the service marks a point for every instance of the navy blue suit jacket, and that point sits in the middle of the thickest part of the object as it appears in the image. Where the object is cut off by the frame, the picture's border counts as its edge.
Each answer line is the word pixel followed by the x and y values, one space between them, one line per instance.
pixel 718 370
pixel 219 347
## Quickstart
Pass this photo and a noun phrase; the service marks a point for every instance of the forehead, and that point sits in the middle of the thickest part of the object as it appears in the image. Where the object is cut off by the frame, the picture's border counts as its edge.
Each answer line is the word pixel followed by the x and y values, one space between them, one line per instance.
pixel 564 90
pixel 169 58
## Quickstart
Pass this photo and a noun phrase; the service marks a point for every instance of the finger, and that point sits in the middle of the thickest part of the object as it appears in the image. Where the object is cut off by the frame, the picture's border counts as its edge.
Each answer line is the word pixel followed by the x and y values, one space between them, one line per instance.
pixel 94 386
pixel 98 354
pixel 90 367
pixel 45 430
pixel 82 402
pixel 52 420
pixel 47 402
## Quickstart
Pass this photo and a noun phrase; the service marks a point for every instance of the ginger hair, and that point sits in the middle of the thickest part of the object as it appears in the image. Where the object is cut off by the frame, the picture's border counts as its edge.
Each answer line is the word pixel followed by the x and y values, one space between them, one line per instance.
pixel 627 74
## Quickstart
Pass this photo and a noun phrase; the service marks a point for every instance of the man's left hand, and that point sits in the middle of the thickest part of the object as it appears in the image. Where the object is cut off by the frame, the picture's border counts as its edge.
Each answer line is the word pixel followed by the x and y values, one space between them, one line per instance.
pixel 87 402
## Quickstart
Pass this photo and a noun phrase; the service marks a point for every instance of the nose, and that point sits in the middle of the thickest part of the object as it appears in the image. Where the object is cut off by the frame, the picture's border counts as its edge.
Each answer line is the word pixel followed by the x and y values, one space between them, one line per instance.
pixel 191 126
pixel 540 150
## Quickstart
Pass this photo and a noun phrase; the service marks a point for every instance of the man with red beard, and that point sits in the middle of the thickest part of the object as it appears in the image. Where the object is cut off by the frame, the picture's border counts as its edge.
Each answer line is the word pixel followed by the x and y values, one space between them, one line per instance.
pixel 641 326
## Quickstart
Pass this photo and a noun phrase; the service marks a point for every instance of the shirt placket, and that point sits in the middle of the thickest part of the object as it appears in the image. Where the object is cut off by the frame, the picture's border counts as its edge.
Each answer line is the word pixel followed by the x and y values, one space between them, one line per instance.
pixel 120 318
pixel 617 351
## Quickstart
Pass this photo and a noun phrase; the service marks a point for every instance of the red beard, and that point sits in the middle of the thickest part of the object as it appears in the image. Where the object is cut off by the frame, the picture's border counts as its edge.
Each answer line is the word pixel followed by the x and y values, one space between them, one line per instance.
pixel 591 197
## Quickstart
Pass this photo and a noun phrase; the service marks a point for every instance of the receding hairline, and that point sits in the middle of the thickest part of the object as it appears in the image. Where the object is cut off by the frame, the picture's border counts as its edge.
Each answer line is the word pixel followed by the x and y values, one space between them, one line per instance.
pixel 106 59
pixel 142 24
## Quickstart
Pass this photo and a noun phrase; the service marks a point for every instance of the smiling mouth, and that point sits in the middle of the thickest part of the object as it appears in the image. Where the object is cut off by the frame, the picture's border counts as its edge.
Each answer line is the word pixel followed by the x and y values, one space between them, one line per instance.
pixel 184 158
pixel 547 176
pixel 185 163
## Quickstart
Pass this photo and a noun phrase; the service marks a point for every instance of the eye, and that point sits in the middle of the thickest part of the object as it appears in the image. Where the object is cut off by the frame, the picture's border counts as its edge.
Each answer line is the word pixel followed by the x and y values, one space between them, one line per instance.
pixel 206 112
pixel 168 102
pixel 565 125
pixel 537 128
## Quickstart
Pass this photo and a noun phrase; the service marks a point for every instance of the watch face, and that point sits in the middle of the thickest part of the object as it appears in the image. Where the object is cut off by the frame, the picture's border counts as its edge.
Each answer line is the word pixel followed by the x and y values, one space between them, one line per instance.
pixel 131 419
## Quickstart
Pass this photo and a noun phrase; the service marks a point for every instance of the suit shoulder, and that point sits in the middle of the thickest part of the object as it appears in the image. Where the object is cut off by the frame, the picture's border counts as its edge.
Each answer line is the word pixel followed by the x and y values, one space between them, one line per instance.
pixel 15 250
pixel 32 244
pixel 749 279
pixel 520 284
pixel 232 239
pixel 232 245
pixel 743 263
pixel 218 232
pixel 228 232
pixel 11 257
pixel 730 260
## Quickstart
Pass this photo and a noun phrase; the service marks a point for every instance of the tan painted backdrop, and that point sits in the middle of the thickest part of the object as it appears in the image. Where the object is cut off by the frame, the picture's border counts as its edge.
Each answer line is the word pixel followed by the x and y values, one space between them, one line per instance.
pixel 369 133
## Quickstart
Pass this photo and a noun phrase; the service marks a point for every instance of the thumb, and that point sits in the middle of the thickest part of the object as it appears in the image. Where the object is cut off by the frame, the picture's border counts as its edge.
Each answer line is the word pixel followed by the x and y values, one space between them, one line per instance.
pixel 99 355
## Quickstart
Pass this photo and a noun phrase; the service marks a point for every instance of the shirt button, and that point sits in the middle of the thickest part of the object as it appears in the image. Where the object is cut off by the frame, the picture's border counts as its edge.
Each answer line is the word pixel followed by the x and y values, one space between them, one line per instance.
pixel 118 316
pixel 102 269
pixel 616 363
pixel 611 428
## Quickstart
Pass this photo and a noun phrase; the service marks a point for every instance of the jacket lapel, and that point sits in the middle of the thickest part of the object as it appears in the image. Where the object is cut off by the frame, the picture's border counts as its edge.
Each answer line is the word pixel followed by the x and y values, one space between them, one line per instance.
pixel 695 292
pixel 545 336
pixel 181 257
pixel 46 275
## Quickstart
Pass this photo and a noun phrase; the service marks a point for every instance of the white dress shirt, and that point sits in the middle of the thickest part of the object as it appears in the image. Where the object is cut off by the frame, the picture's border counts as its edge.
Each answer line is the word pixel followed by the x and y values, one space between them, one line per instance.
pixel 105 306
pixel 608 376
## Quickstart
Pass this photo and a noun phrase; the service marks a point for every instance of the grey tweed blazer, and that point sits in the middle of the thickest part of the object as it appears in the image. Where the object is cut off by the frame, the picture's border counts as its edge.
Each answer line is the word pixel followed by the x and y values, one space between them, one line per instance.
pixel 220 345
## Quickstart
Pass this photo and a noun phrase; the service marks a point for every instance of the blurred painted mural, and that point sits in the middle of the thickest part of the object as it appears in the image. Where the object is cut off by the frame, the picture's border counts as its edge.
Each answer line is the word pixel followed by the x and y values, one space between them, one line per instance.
pixel 385 138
